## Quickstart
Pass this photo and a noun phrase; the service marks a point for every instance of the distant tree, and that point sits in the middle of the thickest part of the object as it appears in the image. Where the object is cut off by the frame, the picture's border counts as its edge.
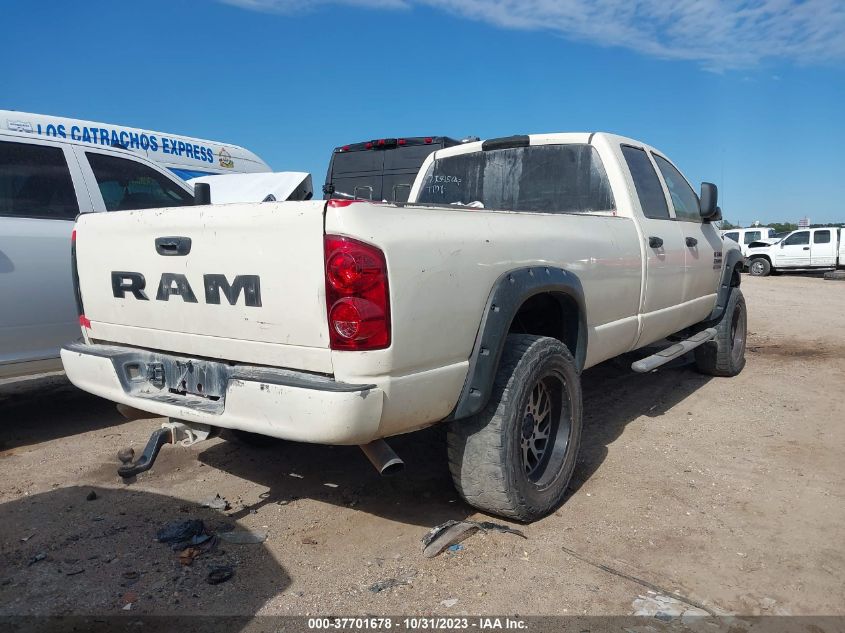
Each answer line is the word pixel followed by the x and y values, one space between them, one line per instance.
pixel 783 227
pixel 725 225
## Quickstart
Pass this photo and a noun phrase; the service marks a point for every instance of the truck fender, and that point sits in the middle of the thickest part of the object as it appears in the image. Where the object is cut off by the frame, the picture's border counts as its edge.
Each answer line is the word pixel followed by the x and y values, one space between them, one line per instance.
pixel 732 258
pixel 508 294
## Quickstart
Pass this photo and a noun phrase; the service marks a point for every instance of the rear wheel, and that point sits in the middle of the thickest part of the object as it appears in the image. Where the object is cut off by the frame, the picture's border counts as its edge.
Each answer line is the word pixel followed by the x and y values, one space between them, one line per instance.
pixel 759 267
pixel 725 354
pixel 515 458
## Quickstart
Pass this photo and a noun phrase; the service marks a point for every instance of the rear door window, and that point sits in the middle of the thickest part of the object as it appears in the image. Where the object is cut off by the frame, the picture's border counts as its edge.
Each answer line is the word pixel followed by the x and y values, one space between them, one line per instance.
pixel 35 182
pixel 543 178
pixel 751 236
pixel 649 191
pixel 821 237
pixel 683 197
pixel 732 236
pixel 127 184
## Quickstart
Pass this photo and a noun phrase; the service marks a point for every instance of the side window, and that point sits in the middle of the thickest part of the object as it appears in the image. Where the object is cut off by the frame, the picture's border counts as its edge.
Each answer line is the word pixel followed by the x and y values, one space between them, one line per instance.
pixel 802 237
pixel 734 235
pixel 683 197
pixel 35 182
pixel 751 236
pixel 821 237
pixel 647 183
pixel 127 184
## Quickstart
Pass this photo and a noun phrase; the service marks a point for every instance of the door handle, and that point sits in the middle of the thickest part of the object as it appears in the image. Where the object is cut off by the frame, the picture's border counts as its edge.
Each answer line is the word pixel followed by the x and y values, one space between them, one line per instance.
pixel 172 246
pixel 691 241
pixel 655 242
pixel 806 248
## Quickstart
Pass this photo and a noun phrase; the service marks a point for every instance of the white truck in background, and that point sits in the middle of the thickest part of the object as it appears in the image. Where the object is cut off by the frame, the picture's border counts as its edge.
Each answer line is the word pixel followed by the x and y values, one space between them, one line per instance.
pixel 804 249
pixel 518 263
pixel 745 237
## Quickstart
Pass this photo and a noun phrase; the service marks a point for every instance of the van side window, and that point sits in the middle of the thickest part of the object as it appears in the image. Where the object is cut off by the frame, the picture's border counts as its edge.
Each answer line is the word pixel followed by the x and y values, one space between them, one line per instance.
pixel 127 184
pixel 35 182
pixel 683 197
pixel 802 237
pixel 821 237
pixel 647 183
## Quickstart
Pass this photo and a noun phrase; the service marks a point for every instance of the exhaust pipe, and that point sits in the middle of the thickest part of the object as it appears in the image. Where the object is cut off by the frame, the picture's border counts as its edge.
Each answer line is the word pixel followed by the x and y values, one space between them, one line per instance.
pixel 382 457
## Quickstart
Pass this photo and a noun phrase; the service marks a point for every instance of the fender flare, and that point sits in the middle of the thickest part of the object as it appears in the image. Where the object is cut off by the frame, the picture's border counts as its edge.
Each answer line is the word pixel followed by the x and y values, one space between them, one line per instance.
pixel 509 292
pixel 732 258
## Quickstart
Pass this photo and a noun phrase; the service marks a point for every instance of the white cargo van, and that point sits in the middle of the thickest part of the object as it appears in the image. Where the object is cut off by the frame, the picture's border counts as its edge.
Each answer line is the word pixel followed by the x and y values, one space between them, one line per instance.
pixel 51 170
pixel 44 184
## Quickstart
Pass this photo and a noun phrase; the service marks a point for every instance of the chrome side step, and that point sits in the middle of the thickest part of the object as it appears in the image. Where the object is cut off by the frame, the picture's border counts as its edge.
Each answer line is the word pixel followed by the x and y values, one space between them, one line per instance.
pixel 654 361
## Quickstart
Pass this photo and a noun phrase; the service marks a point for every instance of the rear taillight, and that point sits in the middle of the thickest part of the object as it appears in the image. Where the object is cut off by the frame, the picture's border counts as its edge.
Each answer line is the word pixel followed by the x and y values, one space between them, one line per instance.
pixel 77 293
pixel 357 296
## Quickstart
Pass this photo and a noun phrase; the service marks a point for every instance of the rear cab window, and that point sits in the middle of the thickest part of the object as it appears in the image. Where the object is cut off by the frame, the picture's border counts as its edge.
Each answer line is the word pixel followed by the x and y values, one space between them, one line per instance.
pixel 821 237
pixel 751 236
pixel 733 235
pixel 35 182
pixel 564 178
pixel 126 184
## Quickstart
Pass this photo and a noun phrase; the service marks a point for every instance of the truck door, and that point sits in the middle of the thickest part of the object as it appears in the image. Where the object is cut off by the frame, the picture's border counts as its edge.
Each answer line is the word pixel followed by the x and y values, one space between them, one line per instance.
pixel 793 251
pixel 41 193
pixel 663 249
pixel 823 248
pixel 702 245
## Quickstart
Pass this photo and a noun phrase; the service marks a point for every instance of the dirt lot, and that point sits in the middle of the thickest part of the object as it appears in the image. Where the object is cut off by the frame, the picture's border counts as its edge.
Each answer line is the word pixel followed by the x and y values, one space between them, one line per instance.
pixel 728 492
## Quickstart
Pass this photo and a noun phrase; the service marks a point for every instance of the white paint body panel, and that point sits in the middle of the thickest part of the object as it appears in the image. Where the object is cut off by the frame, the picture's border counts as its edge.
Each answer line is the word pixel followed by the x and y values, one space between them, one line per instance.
pixel 442 264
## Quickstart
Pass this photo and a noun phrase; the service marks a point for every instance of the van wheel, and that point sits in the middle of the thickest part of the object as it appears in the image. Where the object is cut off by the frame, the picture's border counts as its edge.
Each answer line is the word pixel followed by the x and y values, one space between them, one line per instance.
pixel 515 457
pixel 725 354
pixel 759 267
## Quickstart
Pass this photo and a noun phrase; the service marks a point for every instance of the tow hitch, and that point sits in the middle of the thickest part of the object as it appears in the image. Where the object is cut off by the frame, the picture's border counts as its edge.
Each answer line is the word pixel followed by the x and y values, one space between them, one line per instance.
pixel 185 433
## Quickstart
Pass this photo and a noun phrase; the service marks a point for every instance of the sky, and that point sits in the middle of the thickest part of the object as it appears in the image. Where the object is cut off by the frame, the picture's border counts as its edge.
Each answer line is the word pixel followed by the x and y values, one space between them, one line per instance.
pixel 747 94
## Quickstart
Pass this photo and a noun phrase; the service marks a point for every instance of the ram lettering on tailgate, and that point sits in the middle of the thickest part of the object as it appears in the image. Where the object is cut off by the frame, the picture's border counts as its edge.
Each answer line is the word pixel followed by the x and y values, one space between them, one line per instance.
pixel 177 284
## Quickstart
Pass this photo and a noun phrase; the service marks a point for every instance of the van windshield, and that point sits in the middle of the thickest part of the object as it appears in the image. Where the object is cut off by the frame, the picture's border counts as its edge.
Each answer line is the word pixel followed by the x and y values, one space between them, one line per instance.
pixel 544 178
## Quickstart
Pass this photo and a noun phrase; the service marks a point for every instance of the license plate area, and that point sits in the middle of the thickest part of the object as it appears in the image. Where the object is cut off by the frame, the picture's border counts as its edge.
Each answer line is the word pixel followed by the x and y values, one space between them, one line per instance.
pixel 156 374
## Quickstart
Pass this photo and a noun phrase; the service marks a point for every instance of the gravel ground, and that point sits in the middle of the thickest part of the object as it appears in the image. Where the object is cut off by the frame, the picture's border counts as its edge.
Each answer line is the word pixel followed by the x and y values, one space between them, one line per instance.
pixel 727 492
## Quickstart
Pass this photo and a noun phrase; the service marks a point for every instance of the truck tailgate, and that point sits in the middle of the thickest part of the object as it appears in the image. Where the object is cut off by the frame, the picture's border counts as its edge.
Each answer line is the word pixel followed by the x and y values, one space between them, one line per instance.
pixel 240 282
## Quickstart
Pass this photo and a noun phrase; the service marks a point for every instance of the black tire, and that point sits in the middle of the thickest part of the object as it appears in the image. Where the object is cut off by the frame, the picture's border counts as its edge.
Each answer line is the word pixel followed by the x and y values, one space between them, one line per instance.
pixel 835 274
pixel 725 355
pixel 256 440
pixel 759 267
pixel 496 466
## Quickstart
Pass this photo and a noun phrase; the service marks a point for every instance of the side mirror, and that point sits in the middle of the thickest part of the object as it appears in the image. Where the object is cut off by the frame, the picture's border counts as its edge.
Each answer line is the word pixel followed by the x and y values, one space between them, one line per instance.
pixel 202 193
pixel 708 201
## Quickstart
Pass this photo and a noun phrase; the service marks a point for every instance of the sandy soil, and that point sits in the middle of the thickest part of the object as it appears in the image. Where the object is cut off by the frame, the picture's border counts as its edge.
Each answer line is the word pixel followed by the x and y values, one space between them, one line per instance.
pixel 728 492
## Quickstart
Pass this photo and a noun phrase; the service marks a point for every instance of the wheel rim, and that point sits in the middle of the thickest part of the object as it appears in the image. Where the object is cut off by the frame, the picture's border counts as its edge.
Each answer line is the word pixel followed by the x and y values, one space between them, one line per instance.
pixel 546 427
pixel 757 268
pixel 738 328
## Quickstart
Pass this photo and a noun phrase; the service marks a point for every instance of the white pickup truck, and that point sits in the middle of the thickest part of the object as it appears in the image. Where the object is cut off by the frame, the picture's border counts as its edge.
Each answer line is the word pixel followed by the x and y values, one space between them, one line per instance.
pixel 518 263
pixel 804 249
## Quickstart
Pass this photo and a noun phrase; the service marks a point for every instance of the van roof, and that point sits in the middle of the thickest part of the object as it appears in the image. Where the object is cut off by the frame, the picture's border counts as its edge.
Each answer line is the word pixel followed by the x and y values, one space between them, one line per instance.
pixel 186 156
